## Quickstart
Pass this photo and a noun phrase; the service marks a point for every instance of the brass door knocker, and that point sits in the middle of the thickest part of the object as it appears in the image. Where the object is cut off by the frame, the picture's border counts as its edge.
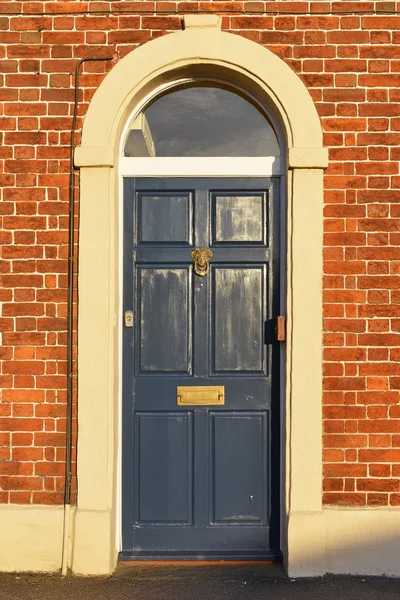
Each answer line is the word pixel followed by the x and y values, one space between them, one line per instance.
pixel 201 258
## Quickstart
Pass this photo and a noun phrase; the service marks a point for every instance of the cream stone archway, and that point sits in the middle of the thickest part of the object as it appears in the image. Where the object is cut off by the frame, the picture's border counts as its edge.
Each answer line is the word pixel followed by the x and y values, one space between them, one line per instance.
pixel 201 49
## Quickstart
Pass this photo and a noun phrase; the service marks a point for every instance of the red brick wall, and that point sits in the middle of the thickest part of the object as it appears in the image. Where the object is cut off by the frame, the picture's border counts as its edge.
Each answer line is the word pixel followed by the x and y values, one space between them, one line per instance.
pixel 348 55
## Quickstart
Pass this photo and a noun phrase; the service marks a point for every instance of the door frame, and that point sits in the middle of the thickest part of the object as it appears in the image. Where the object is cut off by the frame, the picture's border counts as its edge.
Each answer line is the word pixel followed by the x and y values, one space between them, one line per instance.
pixel 201 48
pixel 207 167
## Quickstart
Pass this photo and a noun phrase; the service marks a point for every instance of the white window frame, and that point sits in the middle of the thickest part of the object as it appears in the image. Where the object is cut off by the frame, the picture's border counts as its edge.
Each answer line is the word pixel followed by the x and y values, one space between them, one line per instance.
pixel 236 166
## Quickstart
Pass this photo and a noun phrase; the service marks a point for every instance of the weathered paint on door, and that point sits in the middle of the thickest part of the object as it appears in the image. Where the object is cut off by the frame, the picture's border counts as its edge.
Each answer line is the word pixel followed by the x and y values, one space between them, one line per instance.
pixel 200 481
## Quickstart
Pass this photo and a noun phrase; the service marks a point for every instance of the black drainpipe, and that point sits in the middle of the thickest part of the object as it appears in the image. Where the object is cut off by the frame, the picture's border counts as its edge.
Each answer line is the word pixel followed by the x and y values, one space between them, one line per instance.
pixel 70 305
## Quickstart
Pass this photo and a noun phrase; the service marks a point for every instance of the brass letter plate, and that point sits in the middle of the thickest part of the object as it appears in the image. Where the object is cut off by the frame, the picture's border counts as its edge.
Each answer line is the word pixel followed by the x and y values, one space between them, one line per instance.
pixel 213 395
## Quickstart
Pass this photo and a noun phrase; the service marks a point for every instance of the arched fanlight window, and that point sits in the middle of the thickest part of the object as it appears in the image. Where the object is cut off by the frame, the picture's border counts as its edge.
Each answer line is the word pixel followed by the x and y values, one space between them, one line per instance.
pixel 201 121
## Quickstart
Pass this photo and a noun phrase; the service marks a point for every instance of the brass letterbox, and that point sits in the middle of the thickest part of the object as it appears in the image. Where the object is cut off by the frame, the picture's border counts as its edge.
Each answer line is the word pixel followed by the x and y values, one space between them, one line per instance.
pixel 213 395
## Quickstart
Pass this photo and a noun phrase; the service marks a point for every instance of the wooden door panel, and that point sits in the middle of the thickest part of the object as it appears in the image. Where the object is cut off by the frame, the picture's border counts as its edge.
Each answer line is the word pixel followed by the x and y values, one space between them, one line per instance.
pixel 165 218
pixel 239 312
pixel 239 456
pixel 239 217
pixel 165 319
pixel 164 458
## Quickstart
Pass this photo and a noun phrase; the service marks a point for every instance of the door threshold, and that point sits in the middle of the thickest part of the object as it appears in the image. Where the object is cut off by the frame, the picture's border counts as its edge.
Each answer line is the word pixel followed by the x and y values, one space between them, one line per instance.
pixel 196 563
pixel 200 570
pixel 181 558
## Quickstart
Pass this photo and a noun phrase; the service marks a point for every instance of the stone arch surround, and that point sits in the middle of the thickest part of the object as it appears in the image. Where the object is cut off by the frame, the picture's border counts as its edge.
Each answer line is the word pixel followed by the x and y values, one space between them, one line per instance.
pixel 201 49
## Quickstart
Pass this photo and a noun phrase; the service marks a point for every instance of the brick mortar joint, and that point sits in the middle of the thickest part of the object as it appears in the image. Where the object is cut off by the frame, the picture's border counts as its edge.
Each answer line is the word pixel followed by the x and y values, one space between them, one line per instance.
pixel 381 8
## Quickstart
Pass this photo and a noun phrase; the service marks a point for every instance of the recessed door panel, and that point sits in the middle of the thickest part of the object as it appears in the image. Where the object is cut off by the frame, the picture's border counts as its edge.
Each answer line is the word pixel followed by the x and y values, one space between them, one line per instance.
pixel 239 468
pixel 200 402
pixel 240 217
pixel 238 319
pixel 165 317
pixel 165 218
pixel 165 465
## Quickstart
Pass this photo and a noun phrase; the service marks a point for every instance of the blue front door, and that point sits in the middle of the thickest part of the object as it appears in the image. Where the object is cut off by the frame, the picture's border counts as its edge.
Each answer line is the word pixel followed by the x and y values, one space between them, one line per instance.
pixel 200 387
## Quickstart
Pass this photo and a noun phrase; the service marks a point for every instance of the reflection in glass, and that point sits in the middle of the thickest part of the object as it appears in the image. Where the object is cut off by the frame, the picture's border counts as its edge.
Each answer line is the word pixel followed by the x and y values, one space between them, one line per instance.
pixel 201 121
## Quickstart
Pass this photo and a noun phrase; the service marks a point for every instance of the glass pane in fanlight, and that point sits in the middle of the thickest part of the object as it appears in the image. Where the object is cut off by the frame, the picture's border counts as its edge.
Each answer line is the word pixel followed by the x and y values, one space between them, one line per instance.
pixel 201 121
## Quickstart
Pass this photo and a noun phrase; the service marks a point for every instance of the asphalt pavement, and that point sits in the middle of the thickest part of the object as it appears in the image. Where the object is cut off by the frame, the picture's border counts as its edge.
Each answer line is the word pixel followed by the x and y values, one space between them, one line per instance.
pixel 195 584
